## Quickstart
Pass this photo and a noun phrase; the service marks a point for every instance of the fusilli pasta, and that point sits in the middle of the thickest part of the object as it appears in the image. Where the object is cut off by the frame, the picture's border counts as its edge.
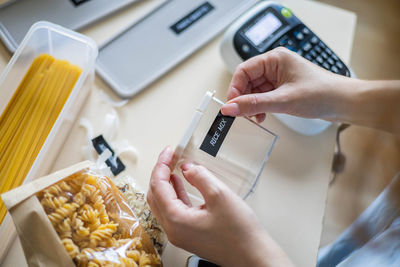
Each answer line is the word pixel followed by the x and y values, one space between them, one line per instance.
pixel 77 208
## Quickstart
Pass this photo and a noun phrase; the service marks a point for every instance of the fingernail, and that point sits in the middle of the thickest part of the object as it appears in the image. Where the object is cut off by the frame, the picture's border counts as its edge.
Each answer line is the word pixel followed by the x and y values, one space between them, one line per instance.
pixel 167 151
pixel 186 166
pixel 231 109
pixel 260 118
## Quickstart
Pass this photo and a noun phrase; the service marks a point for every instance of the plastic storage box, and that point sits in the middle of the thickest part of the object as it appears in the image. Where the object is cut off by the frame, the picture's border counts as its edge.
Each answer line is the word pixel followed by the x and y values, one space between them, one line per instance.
pixel 61 43
pixel 234 149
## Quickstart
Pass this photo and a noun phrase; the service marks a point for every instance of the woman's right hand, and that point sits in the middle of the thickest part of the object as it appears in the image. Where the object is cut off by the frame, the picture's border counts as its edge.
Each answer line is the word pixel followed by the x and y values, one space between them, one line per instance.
pixel 281 81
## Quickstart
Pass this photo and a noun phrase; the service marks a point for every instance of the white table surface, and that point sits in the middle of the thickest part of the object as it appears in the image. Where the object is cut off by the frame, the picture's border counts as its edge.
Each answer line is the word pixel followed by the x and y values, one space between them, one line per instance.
pixel 290 197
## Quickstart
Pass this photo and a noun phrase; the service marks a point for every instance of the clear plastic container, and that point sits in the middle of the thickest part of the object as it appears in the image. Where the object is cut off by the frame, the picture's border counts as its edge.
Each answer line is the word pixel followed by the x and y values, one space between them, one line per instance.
pixel 235 150
pixel 61 43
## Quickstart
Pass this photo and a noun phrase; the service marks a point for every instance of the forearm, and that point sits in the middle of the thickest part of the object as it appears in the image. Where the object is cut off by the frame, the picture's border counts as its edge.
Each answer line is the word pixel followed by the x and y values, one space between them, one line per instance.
pixel 368 103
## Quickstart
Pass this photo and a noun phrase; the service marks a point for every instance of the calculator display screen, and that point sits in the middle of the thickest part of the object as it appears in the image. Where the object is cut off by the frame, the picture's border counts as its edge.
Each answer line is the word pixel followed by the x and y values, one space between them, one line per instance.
pixel 263 28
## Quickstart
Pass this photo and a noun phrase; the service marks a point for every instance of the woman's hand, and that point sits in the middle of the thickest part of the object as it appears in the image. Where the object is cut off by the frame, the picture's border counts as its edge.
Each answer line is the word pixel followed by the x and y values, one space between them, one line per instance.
pixel 280 81
pixel 224 230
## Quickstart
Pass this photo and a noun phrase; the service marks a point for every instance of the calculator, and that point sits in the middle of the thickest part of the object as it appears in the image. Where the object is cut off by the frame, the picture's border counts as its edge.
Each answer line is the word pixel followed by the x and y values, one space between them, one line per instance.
pixel 268 25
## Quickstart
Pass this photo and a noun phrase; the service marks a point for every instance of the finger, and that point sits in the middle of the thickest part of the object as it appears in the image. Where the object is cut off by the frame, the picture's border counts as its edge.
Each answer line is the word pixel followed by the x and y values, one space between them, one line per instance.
pixel 255 69
pixel 162 191
pixel 247 72
pixel 253 104
pixel 256 83
pixel 233 93
pixel 264 87
pixel 153 207
pixel 208 185
pixel 180 190
pixel 260 117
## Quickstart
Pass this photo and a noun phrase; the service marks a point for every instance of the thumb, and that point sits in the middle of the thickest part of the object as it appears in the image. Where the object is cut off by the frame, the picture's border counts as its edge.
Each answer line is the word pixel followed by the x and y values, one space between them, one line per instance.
pixel 201 178
pixel 252 104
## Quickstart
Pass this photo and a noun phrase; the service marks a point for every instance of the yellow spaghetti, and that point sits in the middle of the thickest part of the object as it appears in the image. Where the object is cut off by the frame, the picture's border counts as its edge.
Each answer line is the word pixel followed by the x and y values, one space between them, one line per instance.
pixel 29 117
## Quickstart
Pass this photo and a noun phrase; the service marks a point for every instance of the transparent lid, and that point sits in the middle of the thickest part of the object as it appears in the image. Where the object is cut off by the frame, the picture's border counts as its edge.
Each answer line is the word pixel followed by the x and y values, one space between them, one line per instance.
pixel 234 149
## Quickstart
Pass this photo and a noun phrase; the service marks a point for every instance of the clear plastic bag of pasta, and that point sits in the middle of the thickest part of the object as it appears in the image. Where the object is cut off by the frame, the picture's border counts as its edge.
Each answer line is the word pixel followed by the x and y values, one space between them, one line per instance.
pixel 78 217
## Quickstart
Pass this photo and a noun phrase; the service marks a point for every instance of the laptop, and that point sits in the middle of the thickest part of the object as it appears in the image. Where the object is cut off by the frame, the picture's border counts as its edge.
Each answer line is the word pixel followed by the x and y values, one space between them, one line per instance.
pixel 16 17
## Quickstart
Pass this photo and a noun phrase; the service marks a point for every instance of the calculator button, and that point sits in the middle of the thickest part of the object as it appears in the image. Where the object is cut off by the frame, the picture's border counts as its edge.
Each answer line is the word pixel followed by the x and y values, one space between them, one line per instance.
pixel 328 51
pixel 315 62
pixel 334 57
pixel 299 36
pixel 290 42
pixel 331 61
pixel 320 60
pixel 326 66
pixel 313 53
pixel 321 44
pixel 245 48
pixel 300 52
pixel 339 65
pixel 308 56
pixel 334 69
pixel 318 49
pixel 314 40
pixel 306 31
pixel 307 47
pixel 283 41
pixel 290 48
pixel 286 12
pixel 324 55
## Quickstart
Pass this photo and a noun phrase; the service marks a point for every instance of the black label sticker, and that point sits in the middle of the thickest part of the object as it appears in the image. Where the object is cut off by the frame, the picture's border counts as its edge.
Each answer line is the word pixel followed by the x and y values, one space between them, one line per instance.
pixel 217 133
pixel 78 2
pixel 192 18
pixel 115 164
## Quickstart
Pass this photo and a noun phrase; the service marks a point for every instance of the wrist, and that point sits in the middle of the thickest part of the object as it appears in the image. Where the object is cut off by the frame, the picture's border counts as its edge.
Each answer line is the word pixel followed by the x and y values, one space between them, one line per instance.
pixel 265 252
pixel 368 103
pixel 345 99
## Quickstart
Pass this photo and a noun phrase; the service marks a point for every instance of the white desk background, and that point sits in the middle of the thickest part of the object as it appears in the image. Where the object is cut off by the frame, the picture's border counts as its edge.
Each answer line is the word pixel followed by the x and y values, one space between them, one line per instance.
pixel 291 195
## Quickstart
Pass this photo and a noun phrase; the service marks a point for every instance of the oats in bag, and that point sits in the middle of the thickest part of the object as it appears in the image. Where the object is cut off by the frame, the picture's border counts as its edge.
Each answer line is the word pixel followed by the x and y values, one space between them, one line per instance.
pixel 76 217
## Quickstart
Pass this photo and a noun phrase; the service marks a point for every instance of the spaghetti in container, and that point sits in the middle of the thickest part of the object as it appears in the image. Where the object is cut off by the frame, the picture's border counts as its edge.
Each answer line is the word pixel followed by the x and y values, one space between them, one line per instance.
pixel 42 89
